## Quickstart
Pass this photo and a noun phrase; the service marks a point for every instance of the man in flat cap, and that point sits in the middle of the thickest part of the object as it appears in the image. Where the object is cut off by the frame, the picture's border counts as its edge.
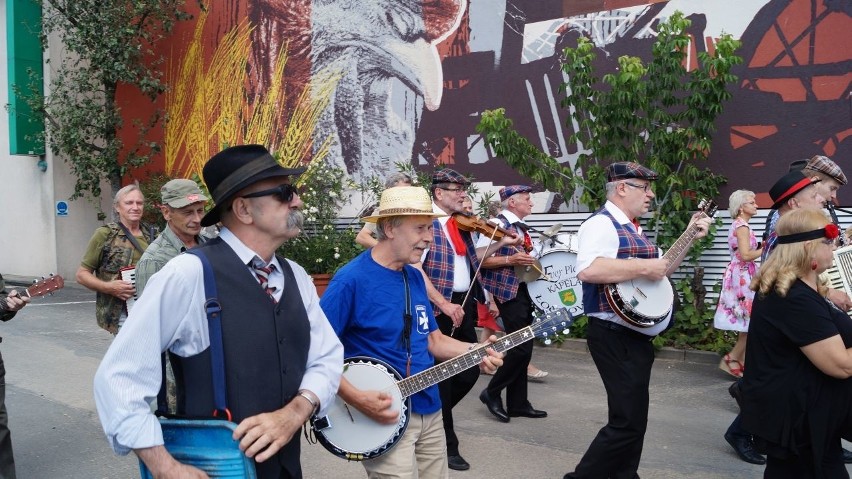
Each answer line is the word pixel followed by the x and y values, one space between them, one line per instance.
pixel 515 305
pixel 379 306
pixel 449 265
pixel 611 249
pixel 281 361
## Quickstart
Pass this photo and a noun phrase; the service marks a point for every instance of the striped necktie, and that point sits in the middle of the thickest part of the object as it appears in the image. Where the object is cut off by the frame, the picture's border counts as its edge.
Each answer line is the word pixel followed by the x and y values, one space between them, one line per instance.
pixel 262 272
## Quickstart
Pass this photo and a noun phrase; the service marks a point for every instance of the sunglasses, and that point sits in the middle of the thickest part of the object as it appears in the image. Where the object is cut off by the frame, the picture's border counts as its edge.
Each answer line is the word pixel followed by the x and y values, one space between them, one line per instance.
pixel 284 193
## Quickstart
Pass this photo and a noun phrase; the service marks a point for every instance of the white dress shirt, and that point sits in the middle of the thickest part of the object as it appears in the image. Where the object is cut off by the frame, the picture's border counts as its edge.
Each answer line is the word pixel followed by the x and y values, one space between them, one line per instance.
pixel 170 315
pixel 597 238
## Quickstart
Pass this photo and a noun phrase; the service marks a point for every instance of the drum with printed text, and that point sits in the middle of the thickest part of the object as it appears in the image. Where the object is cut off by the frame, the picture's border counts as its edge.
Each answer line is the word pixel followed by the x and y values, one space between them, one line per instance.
pixel 561 288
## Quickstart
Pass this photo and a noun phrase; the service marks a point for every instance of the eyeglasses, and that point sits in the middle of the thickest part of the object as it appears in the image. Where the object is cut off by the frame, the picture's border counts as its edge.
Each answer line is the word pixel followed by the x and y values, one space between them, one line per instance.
pixel 454 190
pixel 284 193
pixel 644 187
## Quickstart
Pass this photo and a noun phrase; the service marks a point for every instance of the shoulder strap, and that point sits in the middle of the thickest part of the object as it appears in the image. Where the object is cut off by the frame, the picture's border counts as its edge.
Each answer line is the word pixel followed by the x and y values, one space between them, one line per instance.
pixel 131 238
pixel 214 325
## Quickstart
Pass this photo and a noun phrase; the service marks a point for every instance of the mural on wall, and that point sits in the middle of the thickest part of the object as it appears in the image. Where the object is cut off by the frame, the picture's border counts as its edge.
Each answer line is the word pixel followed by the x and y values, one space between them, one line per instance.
pixel 368 83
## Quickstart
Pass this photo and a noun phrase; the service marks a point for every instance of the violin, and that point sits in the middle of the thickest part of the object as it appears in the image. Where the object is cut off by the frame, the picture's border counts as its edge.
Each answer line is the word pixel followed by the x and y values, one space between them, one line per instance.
pixel 469 222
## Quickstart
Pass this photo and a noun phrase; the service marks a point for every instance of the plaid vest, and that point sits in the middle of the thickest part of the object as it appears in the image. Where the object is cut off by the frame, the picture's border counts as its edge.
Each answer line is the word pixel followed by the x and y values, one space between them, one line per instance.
pixel 439 263
pixel 502 282
pixel 630 245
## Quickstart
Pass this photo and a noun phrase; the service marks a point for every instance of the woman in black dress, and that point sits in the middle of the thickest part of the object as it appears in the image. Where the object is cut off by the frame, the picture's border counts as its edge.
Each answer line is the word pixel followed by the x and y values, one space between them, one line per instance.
pixel 797 394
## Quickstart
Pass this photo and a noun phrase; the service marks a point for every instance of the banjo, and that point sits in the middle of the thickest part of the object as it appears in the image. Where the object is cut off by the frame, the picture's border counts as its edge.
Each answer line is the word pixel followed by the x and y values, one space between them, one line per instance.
pixel 351 435
pixel 643 302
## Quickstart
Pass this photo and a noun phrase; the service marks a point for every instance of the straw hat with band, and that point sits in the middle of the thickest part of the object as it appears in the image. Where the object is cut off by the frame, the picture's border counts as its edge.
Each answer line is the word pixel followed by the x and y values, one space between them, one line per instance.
pixel 235 168
pixel 403 201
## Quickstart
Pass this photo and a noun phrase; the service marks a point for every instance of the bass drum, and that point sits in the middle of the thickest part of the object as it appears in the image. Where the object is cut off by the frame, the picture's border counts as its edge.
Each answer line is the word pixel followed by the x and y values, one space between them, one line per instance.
pixel 563 290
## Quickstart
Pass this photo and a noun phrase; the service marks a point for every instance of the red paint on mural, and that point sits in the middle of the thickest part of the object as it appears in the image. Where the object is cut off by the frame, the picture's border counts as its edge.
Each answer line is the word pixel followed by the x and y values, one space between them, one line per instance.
pixel 745 134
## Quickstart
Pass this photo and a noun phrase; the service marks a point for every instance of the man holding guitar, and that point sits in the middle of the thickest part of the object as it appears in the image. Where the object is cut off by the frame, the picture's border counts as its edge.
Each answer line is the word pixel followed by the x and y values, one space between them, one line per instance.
pixel 379 307
pixel 613 249
pixel 10 304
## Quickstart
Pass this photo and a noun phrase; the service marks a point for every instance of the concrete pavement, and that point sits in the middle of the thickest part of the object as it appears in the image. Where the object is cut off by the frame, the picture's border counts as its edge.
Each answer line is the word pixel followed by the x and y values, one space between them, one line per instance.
pixel 52 348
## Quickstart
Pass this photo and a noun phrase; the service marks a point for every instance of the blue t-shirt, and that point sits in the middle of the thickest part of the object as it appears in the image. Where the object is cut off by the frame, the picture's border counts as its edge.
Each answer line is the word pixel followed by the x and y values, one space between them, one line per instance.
pixel 365 303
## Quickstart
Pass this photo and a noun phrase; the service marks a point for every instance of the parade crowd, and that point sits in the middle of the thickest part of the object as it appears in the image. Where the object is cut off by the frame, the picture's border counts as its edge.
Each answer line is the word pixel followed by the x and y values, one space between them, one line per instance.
pixel 227 328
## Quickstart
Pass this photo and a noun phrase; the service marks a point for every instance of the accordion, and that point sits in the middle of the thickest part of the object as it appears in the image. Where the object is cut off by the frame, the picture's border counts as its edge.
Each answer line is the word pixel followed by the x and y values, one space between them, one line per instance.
pixel 840 273
pixel 129 274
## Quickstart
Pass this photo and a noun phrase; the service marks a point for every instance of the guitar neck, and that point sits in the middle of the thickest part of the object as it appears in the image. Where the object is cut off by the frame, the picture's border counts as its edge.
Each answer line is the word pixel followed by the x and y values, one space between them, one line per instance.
pixel 422 380
pixel 683 243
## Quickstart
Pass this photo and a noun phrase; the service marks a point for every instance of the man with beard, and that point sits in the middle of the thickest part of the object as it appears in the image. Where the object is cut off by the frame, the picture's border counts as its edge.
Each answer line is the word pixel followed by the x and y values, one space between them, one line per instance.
pixel 282 360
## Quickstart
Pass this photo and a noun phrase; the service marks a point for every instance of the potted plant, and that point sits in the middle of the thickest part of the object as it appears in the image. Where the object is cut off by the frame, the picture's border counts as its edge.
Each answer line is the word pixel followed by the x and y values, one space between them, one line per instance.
pixel 327 242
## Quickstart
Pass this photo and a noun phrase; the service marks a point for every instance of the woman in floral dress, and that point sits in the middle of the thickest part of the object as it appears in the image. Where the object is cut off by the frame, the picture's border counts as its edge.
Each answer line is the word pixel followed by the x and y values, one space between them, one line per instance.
pixel 734 308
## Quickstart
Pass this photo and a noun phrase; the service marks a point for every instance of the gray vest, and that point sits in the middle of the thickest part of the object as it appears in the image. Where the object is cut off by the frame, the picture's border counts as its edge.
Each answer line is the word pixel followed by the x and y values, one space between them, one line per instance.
pixel 265 350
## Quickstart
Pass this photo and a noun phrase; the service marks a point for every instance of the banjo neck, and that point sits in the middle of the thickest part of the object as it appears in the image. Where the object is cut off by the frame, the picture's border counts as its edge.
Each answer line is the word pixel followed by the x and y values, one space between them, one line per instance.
pixel 553 321
pixel 683 243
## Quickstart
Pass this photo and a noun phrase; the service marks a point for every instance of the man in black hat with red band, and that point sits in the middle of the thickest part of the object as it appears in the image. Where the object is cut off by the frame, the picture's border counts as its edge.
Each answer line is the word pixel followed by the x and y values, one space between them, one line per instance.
pixel 282 359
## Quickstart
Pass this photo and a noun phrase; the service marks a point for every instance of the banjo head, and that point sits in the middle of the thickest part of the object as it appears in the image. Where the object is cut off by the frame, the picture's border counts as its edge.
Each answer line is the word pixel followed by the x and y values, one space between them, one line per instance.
pixel 347 432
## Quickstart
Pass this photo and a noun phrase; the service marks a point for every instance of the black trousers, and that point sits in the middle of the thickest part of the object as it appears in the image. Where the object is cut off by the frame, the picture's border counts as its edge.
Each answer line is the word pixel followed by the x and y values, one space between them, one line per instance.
pixel 7 458
pixel 453 389
pixel 512 375
pixel 624 359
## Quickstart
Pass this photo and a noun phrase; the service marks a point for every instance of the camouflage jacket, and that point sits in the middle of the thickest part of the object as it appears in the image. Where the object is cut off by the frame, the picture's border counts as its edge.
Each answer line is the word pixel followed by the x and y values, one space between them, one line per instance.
pixel 117 253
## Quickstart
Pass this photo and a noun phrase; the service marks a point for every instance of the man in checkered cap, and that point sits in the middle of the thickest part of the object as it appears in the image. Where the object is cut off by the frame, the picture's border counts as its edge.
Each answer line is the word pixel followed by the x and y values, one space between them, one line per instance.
pixel 611 249
pixel 515 305
pixel 449 265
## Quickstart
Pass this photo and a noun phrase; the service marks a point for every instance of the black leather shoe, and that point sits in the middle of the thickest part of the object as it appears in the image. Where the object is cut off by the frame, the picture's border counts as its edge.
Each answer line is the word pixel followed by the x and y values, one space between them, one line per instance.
pixel 745 448
pixel 734 391
pixel 457 463
pixel 847 456
pixel 527 412
pixel 494 405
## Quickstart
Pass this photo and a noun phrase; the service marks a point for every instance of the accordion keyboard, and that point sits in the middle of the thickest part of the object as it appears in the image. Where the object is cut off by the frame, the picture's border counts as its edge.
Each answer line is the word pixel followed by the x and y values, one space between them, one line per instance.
pixel 840 273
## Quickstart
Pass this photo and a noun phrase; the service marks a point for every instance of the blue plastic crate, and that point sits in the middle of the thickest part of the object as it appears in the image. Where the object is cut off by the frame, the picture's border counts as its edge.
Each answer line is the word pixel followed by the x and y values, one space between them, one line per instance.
pixel 207 445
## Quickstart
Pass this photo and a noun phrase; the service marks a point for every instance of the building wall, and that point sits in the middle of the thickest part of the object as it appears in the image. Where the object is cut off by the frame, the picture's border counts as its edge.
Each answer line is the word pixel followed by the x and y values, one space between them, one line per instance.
pixel 34 241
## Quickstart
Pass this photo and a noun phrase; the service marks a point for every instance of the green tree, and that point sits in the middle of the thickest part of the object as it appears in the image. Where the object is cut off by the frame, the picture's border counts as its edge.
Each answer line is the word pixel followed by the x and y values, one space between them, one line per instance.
pixel 104 45
pixel 658 114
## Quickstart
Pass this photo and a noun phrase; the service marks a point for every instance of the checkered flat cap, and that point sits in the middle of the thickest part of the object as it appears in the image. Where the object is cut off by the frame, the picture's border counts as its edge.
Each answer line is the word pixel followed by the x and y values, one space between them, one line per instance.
pixel 625 170
pixel 446 175
pixel 508 191
pixel 824 165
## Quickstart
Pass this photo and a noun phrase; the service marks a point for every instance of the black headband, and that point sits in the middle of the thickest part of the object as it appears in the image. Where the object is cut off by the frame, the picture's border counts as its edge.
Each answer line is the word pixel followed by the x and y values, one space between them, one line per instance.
pixel 830 231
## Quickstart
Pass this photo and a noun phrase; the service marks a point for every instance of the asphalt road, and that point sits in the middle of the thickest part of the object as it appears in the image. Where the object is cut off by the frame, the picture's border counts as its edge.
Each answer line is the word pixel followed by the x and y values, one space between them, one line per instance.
pixel 52 348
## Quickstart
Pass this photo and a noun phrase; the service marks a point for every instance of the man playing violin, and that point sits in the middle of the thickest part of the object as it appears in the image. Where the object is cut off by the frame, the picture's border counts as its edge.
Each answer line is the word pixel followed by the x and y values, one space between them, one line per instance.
pixel 515 305
pixel 450 265
pixel 613 249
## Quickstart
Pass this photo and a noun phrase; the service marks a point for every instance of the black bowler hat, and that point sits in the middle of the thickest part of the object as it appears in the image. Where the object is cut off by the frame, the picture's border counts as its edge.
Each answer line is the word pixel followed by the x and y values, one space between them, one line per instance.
pixel 235 168
pixel 789 184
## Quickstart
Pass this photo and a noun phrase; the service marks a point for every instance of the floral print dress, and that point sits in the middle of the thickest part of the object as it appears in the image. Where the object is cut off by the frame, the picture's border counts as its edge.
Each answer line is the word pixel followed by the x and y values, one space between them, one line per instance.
pixel 734 308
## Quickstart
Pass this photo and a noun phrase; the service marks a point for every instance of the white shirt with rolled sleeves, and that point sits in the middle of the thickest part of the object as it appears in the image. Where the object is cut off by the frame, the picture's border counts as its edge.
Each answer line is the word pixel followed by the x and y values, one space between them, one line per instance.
pixel 597 238
pixel 171 315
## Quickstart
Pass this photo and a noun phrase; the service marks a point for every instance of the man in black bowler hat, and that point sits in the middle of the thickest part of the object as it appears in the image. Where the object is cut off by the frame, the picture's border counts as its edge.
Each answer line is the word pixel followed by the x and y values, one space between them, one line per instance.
pixel 611 249
pixel 282 360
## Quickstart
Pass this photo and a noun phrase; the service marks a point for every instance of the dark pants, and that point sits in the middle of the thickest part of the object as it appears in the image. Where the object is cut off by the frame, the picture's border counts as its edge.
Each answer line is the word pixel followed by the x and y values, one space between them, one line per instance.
pixel 7 458
pixel 453 389
pixel 802 466
pixel 624 359
pixel 512 375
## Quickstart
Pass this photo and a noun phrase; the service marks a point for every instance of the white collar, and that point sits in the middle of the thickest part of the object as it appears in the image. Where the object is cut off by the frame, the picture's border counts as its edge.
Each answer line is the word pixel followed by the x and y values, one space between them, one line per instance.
pixel 243 252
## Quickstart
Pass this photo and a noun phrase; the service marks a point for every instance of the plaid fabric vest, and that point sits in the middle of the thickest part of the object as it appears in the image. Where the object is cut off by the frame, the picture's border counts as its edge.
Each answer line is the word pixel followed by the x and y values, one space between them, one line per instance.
pixel 439 263
pixel 502 282
pixel 630 245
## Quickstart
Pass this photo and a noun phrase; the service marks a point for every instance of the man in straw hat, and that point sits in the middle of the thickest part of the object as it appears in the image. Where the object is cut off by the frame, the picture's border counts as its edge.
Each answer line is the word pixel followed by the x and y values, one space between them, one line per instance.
pixel 379 306
pixel 282 360
pixel 612 249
